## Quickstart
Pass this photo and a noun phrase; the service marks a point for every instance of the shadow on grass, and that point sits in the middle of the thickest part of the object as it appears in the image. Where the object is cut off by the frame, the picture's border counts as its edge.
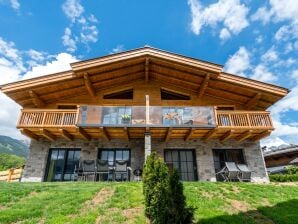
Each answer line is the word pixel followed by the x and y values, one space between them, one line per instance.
pixel 281 213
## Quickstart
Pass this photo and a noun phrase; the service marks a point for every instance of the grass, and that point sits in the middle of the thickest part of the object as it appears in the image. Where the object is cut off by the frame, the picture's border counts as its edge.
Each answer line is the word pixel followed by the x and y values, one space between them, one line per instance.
pixel 107 203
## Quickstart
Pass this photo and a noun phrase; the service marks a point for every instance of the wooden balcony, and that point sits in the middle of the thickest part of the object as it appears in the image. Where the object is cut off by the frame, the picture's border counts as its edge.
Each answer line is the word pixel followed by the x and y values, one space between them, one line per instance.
pixel 166 123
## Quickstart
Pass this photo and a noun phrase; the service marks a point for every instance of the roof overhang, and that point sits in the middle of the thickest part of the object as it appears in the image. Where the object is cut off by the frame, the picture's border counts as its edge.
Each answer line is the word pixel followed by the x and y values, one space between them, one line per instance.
pixel 90 76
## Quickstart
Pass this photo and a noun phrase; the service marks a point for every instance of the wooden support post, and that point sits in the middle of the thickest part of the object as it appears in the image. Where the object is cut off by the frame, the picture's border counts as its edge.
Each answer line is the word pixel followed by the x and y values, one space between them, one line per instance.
pixel 168 135
pixel 37 101
pixel 227 135
pixel 104 133
pixel 204 86
pixel 29 134
pixel 147 110
pixel 243 136
pixel 48 135
pixel 66 135
pixel 261 135
pixel 10 174
pixel 147 70
pixel 88 85
pixel 210 134
pixel 126 133
pixel 147 144
pixel 253 101
pixel 83 134
pixel 189 134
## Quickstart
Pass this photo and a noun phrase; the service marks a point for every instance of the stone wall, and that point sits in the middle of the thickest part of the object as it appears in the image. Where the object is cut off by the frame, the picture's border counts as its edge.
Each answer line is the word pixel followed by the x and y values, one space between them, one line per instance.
pixel 36 163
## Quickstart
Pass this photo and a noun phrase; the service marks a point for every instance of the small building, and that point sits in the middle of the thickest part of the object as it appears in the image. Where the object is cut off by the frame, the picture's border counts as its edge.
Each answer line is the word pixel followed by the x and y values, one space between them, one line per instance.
pixel 277 160
pixel 126 105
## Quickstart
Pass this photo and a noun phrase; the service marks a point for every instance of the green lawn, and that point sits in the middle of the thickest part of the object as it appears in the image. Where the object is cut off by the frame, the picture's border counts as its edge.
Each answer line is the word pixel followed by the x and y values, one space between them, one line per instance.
pixel 123 203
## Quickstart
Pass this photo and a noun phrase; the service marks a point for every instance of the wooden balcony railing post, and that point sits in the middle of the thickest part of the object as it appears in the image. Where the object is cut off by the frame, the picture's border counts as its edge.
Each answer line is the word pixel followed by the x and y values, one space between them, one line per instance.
pixel 248 120
pixel 62 119
pixel 43 119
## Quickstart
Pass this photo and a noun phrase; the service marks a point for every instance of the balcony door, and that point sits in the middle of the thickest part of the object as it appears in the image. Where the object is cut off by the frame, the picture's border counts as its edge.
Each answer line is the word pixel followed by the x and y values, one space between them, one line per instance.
pixel 61 164
pixel 184 161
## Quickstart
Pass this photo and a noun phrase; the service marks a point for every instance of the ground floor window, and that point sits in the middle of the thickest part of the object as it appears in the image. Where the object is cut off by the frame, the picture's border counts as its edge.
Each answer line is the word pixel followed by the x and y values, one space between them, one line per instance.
pixel 184 161
pixel 227 155
pixel 61 164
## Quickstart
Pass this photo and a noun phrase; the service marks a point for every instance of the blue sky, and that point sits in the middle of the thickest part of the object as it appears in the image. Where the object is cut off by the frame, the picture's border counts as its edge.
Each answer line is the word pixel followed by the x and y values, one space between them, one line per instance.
pixel 256 39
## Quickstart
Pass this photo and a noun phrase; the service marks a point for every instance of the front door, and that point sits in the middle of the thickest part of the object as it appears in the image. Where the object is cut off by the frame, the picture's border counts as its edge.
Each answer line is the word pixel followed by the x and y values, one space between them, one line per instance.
pixel 184 161
pixel 61 164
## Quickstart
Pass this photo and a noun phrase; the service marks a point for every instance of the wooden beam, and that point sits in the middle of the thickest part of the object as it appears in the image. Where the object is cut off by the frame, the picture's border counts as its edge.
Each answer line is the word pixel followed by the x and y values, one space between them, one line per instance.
pixel 29 134
pixel 48 135
pixel 65 134
pixel 147 70
pixel 204 85
pixel 88 85
pixel 83 134
pixel 253 101
pixel 210 134
pixel 126 133
pixel 104 133
pixel 261 135
pixel 38 102
pixel 227 135
pixel 168 135
pixel 244 135
pixel 189 134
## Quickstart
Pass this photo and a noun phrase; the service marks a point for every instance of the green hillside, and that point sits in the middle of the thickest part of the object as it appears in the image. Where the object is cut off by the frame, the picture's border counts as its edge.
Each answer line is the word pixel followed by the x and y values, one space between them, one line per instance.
pixel 8 161
pixel 109 203
pixel 12 146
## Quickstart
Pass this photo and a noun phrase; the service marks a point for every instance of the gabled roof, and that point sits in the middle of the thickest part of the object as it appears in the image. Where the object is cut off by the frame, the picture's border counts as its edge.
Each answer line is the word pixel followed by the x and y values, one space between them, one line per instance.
pixel 90 76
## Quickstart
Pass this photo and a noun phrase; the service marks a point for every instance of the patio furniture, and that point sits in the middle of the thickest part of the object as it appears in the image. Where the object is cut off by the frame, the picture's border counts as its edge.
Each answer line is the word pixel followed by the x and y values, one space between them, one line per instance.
pixel 89 170
pixel 138 174
pixel 245 172
pixel 122 169
pixel 230 172
pixel 103 168
pixel 78 172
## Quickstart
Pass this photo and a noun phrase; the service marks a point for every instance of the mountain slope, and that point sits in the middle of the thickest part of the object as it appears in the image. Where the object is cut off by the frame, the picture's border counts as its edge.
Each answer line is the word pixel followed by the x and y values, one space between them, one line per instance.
pixel 12 146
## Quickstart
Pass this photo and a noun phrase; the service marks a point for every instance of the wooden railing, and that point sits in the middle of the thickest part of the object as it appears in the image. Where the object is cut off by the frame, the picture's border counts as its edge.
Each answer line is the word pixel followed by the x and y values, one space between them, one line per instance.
pixel 47 118
pixel 244 119
pixel 11 175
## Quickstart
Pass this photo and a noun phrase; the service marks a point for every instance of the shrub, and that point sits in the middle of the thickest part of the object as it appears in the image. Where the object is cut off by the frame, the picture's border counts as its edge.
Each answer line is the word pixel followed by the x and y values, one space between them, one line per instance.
pixel 283 177
pixel 163 191
pixel 292 169
pixel 155 189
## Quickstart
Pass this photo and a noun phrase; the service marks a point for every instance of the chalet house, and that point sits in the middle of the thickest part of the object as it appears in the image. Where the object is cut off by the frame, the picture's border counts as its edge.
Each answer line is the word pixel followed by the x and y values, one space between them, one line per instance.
pixel 126 105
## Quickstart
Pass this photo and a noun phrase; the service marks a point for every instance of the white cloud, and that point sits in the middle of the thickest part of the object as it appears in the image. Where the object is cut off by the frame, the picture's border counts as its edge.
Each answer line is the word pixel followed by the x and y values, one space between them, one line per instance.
pixel 68 41
pixel 72 9
pixel 119 48
pixel 230 14
pixel 270 56
pixel 262 74
pixel 82 27
pixel 36 55
pixel 262 14
pixel 239 62
pixel 224 34
pixel 15 4
pixel 272 141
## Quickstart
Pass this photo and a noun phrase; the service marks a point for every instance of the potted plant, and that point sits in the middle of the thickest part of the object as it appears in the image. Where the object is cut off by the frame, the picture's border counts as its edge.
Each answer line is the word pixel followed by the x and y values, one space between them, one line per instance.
pixel 125 118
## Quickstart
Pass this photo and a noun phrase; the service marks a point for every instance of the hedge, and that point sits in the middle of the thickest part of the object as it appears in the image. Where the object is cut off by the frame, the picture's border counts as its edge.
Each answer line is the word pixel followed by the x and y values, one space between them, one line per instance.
pixel 283 177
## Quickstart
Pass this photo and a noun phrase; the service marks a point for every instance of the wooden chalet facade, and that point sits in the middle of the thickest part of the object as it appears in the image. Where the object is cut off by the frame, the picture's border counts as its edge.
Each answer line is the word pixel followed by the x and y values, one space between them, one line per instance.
pixel 126 105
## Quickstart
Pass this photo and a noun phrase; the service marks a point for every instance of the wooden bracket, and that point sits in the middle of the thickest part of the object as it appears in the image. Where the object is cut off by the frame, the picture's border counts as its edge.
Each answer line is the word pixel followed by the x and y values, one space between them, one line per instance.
pixel 253 101
pixel 147 70
pixel 38 102
pixel 244 135
pixel 261 135
pixel 104 134
pixel 48 135
pixel 126 133
pixel 29 134
pixel 88 85
pixel 189 134
pixel 227 135
pixel 210 134
pixel 204 86
pixel 169 133
pixel 65 134
pixel 83 134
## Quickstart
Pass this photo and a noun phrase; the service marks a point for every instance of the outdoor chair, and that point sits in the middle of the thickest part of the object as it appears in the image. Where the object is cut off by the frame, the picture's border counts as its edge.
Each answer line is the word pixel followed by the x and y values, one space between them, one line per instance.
pixel 232 171
pixel 103 168
pixel 245 172
pixel 89 170
pixel 122 169
pixel 78 172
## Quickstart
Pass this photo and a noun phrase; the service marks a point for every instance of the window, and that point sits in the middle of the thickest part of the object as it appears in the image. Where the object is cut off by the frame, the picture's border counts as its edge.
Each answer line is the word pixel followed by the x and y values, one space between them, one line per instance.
pixel 177 116
pixel 227 155
pixel 61 164
pixel 125 94
pixel 169 95
pixel 67 107
pixel 113 155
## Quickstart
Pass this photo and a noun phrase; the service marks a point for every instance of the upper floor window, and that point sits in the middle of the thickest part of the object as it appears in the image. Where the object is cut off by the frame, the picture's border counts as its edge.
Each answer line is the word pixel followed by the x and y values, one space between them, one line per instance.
pixel 121 95
pixel 170 95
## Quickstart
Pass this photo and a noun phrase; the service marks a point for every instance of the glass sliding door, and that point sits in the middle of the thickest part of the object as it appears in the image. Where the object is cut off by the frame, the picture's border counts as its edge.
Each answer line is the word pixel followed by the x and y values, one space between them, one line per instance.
pixel 61 164
pixel 184 161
